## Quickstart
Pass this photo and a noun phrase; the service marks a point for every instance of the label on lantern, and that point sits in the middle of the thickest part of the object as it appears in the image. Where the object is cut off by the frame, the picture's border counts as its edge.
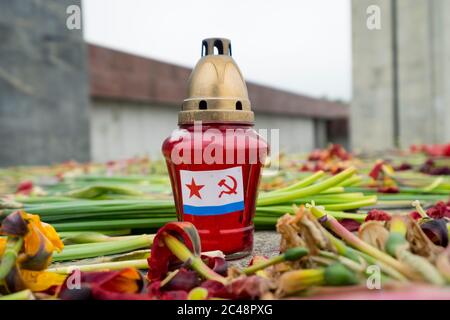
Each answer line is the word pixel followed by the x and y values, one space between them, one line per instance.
pixel 212 192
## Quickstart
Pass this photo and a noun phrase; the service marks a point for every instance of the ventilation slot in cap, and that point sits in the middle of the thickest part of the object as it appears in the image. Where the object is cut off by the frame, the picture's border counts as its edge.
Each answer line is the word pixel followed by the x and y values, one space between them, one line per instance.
pixel 216 46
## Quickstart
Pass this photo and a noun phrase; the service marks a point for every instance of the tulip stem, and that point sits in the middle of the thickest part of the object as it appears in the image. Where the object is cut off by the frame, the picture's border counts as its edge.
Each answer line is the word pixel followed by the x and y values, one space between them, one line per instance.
pixel 187 257
pixel 115 265
pixel 291 254
pixel 13 247
pixel 301 184
pixel 89 250
pixel 20 295
pixel 268 199
pixel 331 223
pixel 397 246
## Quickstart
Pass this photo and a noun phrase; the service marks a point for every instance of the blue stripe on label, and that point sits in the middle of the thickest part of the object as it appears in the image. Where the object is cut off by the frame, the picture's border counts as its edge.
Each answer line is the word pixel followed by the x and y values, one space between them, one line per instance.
pixel 213 210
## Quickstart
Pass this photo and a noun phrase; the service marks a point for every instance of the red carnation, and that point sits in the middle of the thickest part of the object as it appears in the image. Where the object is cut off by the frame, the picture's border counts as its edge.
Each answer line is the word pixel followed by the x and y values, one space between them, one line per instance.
pixel 390 189
pixel 25 187
pixel 378 215
pixel 439 211
pixel 376 170
pixel 415 215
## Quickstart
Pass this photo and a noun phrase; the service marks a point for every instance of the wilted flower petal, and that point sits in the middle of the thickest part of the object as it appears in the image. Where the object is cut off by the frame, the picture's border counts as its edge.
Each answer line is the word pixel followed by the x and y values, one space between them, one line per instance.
pixel 25 187
pixel 217 264
pixel 15 224
pixel 376 170
pixel 350 224
pixel 161 257
pixel 41 280
pixel 125 284
pixel 378 215
pixel 436 231
pixel 182 279
pixel 439 211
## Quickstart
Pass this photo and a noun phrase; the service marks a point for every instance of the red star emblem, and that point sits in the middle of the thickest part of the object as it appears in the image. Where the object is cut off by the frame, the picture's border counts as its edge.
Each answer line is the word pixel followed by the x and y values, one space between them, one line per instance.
pixel 194 189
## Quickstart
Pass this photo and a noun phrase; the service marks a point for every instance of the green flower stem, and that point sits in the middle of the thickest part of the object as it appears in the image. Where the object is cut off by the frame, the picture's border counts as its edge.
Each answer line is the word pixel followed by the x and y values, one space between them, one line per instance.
pixel 388 270
pixel 294 281
pixel 338 274
pixel 194 262
pixel 331 223
pixel 333 190
pixel 109 215
pixel 349 263
pixel 277 211
pixel 89 250
pixel 443 263
pixel 368 201
pixel 289 255
pixel 434 185
pixel 40 199
pixel 405 193
pixel 116 265
pixel 20 295
pixel 351 181
pixel 149 223
pixel 339 196
pixel 397 246
pixel 70 234
pixel 359 257
pixel 13 247
pixel 302 183
pixel 126 256
pixel 93 191
pixel 329 199
pixel 94 237
pixel 89 206
pixel 268 199
pixel 419 208
pixel 333 275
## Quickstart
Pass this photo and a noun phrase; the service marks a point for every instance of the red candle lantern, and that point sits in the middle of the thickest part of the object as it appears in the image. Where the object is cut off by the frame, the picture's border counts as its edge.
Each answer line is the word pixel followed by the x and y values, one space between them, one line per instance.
pixel 215 157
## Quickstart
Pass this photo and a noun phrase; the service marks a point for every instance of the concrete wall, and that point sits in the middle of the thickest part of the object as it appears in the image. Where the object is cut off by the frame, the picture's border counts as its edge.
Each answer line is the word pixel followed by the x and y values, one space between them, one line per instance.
pixel 43 85
pixel 440 54
pixel 296 134
pixel 372 103
pixel 419 42
pixel 124 129
pixel 422 40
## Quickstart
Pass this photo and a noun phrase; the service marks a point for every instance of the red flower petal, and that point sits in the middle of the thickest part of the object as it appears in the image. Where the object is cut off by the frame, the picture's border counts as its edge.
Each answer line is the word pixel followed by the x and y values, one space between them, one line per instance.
pixel 125 284
pixel 217 264
pixel 14 224
pixel 248 288
pixel 439 211
pixel 156 292
pixel 415 215
pixel 403 167
pixel 245 288
pixel 436 230
pixel 390 189
pixel 350 224
pixel 161 257
pixel 25 187
pixel 377 215
pixel 215 289
pixel 376 170
pixel 184 280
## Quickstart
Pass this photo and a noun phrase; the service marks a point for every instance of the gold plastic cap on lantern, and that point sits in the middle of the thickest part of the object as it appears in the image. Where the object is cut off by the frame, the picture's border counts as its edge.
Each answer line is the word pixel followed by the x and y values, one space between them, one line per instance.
pixel 217 92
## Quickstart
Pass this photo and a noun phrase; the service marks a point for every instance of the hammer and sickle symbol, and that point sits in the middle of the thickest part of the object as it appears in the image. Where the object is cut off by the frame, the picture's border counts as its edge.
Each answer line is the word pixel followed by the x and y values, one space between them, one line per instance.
pixel 229 189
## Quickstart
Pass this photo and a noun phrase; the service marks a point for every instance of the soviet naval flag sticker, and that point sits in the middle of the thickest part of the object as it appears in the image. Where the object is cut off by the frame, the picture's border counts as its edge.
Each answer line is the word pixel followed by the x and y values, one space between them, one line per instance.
pixel 212 192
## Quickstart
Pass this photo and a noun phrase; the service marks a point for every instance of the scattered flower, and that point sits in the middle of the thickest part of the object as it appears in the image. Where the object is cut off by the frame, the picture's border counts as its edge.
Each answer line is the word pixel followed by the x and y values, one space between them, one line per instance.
pixel 378 215
pixel 125 284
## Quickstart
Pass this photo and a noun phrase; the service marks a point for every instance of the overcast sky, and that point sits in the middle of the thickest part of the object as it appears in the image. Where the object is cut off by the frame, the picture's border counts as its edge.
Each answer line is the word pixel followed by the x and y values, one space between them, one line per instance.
pixel 299 45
